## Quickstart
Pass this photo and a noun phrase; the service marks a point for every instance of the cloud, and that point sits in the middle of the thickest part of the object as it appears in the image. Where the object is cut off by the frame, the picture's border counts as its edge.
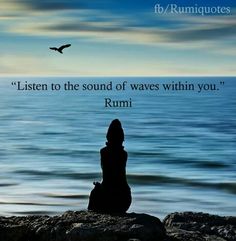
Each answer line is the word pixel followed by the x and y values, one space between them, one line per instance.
pixel 56 5
pixel 85 27
pixel 112 28
pixel 214 33
pixel 42 5
pixel 60 18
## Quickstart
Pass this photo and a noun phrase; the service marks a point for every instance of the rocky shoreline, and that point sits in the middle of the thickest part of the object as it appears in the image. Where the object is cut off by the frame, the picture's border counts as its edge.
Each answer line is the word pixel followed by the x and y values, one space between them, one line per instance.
pixel 91 226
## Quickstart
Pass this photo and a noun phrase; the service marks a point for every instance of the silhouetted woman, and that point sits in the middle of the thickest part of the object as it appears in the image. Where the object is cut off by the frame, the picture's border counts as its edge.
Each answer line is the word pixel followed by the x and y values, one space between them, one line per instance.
pixel 113 194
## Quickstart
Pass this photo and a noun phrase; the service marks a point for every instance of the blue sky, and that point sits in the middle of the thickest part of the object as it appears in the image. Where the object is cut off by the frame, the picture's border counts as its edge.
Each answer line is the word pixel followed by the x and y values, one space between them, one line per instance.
pixel 116 38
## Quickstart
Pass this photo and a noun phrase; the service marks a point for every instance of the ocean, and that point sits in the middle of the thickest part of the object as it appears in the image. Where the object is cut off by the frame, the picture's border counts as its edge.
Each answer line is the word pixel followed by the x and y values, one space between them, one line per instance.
pixel 181 145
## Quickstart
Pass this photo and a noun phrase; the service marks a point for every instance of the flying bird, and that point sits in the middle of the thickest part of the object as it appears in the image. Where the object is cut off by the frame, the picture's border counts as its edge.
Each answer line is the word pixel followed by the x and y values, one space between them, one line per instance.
pixel 60 48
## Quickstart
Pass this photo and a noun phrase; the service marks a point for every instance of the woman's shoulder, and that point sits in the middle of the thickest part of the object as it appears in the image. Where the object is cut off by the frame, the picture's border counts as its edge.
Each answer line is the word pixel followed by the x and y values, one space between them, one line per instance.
pixel 107 149
pixel 103 150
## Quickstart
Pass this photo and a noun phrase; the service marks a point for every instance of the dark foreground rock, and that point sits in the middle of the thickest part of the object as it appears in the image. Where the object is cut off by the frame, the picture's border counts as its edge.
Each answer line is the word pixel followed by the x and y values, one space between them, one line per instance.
pixel 189 226
pixel 91 226
pixel 82 226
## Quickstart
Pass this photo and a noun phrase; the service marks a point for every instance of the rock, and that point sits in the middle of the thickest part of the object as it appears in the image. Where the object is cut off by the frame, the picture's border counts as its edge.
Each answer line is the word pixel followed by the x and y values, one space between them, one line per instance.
pixel 199 227
pixel 82 226
pixel 91 226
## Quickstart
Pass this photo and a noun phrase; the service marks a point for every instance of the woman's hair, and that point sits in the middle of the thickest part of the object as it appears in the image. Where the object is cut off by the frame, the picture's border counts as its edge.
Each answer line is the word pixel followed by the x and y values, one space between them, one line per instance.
pixel 115 133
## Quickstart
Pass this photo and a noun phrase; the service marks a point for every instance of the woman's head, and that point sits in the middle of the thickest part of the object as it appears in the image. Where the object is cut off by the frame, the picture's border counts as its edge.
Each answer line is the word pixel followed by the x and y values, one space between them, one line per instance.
pixel 115 133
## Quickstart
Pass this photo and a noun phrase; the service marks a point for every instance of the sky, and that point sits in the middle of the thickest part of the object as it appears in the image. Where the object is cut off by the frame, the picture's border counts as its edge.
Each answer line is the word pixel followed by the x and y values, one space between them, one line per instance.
pixel 117 38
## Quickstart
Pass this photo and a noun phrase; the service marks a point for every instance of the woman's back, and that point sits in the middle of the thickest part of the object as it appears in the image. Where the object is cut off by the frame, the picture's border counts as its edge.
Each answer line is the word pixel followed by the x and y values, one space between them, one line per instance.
pixel 113 163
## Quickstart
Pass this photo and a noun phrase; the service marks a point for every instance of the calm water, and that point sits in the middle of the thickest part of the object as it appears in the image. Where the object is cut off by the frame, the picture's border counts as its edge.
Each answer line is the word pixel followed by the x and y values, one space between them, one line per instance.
pixel 181 147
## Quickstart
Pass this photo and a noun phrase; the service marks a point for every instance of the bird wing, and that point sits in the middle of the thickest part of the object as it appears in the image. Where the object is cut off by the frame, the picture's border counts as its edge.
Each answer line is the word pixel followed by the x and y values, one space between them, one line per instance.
pixel 53 48
pixel 64 46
